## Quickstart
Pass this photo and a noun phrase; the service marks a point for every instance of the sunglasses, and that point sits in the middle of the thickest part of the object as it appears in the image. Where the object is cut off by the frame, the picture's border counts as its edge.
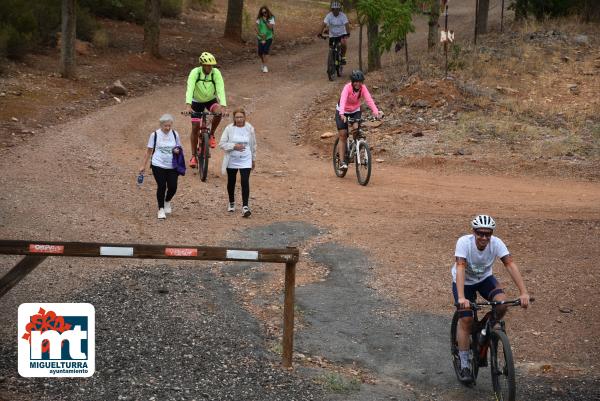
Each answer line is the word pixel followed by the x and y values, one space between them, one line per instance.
pixel 264 11
pixel 484 234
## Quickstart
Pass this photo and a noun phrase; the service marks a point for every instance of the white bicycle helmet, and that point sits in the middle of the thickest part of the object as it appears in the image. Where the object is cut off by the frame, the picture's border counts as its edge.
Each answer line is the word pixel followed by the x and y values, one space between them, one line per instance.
pixel 483 221
pixel 335 4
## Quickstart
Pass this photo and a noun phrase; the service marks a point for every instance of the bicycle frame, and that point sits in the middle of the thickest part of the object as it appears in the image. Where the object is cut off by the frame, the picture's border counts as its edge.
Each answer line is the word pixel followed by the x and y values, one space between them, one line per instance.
pixel 490 319
pixel 355 138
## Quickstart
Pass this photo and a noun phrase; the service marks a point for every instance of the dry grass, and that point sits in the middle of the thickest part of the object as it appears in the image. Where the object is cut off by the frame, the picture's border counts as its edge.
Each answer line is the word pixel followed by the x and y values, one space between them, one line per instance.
pixel 546 101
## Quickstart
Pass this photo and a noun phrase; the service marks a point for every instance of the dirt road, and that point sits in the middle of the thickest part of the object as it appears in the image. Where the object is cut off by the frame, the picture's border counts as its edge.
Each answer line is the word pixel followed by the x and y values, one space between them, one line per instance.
pixel 77 182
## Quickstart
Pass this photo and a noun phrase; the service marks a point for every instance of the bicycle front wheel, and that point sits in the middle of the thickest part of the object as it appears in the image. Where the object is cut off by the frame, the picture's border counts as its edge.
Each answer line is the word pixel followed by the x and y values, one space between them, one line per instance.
pixel 502 367
pixel 363 163
pixel 336 160
pixel 330 65
pixel 203 156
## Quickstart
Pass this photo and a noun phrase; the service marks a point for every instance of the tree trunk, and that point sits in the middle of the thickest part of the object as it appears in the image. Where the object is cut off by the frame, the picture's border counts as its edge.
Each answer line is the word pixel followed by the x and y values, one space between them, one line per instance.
pixel 482 16
pixel 360 47
pixel 374 56
pixel 434 16
pixel 349 5
pixel 233 25
pixel 152 28
pixel 67 44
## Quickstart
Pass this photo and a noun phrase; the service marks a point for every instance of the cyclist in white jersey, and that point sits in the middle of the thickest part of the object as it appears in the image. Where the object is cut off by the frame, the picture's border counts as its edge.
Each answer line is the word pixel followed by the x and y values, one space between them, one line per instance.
pixel 339 27
pixel 472 272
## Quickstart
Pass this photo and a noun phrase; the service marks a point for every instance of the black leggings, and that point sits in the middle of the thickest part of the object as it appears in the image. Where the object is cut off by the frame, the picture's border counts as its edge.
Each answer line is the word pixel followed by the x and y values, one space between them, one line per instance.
pixel 165 178
pixel 231 175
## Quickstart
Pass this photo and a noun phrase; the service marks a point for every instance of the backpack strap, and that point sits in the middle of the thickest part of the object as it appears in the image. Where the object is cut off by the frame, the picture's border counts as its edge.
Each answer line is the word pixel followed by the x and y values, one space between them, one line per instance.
pixel 212 79
pixel 155 137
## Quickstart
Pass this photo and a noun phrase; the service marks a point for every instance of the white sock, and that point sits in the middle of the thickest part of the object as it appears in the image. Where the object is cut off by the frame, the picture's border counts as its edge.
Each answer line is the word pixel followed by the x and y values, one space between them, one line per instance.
pixel 464 359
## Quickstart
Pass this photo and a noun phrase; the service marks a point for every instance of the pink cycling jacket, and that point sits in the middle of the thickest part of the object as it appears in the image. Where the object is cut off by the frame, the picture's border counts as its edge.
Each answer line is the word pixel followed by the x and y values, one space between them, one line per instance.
pixel 350 100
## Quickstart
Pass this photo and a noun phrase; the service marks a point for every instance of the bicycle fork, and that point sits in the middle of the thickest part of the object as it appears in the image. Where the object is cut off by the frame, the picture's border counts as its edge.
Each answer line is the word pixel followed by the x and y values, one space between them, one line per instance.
pixel 357 144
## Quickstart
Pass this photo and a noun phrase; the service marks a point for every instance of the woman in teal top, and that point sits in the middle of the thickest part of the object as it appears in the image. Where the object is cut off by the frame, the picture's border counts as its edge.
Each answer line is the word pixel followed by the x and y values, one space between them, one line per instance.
pixel 265 24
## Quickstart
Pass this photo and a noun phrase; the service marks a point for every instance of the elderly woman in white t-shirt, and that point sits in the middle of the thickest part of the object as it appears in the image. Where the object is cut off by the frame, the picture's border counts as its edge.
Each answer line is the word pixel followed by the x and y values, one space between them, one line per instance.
pixel 162 145
pixel 239 143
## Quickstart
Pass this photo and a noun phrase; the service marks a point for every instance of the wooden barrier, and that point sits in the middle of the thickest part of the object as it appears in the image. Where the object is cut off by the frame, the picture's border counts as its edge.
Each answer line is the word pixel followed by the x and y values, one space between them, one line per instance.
pixel 36 251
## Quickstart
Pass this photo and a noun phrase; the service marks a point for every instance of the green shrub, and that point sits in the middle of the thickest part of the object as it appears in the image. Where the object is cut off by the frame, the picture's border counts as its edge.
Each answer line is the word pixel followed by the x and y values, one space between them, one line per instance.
pixel 3 40
pixel 200 4
pixel 86 25
pixel 130 10
pixel 541 9
pixel 48 18
pixel 17 43
pixel 170 8
pixel 456 61
pixel 100 39
pixel 126 10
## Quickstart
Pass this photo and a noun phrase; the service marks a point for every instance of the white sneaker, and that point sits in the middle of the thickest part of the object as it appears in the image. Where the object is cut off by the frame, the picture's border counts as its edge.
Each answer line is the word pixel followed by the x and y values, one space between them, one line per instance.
pixel 344 166
pixel 161 214
pixel 266 69
pixel 231 207
pixel 246 211
pixel 168 208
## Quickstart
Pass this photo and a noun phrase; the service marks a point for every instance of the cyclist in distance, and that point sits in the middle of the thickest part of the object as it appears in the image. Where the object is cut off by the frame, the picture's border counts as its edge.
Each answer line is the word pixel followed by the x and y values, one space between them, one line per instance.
pixel 339 27
pixel 205 91
pixel 472 272
pixel 349 106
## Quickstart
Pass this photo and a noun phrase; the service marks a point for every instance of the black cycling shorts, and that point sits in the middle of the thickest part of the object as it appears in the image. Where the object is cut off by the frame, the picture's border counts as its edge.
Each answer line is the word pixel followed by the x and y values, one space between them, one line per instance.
pixel 337 39
pixel 344 125
pixel 199 107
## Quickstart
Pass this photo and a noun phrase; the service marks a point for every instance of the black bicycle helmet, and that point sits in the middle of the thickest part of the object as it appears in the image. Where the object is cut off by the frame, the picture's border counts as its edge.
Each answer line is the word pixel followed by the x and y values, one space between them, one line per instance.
pixel 357 76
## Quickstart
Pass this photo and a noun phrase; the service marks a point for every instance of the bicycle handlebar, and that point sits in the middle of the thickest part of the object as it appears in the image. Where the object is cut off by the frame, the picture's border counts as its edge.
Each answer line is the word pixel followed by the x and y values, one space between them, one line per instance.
pixel 480 305
pixel 362 119
pixel 199 114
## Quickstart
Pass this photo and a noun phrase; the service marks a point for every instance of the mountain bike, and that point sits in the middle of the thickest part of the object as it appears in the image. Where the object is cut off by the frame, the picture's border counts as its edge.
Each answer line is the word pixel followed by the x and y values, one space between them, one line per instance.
pixel 202 151
pixel 334 58
pixel 357 152
pixel 488 333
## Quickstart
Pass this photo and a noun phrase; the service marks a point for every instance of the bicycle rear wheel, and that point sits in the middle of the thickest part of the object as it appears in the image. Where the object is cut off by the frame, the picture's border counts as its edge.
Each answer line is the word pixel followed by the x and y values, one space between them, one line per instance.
pixel 336 160
pixel 363 162
pixel 331 65
pixel 203 157
pixel 454 350
pixel 502 367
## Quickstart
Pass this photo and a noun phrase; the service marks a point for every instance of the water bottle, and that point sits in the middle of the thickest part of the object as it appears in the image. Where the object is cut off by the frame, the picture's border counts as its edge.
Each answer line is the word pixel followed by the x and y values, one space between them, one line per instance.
pixel 482 336
pixel 140 179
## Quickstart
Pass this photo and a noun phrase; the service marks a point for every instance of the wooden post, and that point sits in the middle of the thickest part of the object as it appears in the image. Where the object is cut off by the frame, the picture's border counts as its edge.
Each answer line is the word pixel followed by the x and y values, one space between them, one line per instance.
pixel 406 55
pixel 476 20
pixel 288 313
pixel 16 274
pixel 360 53
pixel 446 42
pixel 502 17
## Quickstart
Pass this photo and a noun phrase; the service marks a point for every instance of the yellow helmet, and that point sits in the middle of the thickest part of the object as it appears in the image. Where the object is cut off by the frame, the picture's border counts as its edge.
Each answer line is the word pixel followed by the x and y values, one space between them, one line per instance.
pixel 207 58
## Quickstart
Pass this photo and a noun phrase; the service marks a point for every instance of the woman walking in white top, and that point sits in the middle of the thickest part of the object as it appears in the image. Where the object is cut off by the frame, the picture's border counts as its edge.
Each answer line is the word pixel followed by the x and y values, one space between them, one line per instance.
pixel 239 143
pixel 162 145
